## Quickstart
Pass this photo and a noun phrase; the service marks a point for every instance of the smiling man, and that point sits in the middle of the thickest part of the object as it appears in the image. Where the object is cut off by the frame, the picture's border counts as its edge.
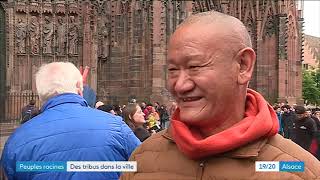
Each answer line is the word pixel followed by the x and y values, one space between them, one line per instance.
pixel 220 128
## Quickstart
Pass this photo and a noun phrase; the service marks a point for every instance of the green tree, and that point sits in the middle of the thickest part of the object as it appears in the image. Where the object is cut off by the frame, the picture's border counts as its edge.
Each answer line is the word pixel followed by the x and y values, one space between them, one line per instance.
pixel 316 78
pixel 311 86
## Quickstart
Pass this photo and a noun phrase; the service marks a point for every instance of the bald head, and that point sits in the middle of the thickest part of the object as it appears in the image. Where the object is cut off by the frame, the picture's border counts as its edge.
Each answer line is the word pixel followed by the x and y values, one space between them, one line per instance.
pixel 210 62
pixel 235 31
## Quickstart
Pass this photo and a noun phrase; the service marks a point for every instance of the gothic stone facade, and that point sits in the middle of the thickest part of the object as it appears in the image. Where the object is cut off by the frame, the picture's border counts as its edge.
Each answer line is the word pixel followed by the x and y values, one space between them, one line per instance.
pixel 125 43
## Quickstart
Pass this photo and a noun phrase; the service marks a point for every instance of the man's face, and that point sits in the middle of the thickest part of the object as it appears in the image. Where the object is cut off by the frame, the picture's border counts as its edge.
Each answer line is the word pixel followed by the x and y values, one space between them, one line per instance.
pixel 201 76
pixel 308 113
pixel 302 116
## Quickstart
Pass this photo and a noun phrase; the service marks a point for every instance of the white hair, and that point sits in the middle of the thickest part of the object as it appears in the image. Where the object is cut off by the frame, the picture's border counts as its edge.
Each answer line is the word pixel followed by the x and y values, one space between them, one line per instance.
pixel 58 78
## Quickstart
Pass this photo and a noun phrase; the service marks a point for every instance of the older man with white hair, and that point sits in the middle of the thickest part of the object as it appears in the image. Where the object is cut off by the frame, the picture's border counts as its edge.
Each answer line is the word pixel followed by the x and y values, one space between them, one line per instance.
pixel 67 130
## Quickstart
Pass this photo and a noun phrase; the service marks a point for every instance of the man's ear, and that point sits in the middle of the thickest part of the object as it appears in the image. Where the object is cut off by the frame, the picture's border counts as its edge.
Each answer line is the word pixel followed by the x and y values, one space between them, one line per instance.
pixel 130 117
pixel 246 60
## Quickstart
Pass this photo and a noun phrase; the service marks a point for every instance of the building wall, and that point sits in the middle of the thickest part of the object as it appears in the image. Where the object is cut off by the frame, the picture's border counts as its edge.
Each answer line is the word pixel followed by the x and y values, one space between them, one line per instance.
pixel 311 52
pixel 125 43
pixel 310 61
pixel 2 58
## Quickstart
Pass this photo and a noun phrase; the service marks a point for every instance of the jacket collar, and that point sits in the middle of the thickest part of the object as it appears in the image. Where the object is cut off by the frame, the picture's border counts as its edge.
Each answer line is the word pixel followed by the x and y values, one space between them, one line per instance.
pixel 62 99
pixel 250 150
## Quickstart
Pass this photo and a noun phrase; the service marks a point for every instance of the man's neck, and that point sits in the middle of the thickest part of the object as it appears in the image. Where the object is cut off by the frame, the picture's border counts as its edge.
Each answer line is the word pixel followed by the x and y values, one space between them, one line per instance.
pixel 230 120
pixel 231 116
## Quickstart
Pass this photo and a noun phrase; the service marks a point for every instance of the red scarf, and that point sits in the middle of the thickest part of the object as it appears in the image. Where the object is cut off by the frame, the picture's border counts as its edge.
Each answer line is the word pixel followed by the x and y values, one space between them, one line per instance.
pixel 260 120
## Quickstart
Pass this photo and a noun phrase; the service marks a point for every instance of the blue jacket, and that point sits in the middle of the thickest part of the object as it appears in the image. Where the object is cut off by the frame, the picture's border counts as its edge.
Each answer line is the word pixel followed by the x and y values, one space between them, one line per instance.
pixel 68 130
pixel 279 116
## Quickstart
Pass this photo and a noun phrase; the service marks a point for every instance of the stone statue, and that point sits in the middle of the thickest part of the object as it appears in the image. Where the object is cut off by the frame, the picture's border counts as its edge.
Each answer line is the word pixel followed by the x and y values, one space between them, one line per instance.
pixel 21 35
pixel 105 45
pixel 34 33
pixel 61 36
pixel 73 36
pixel 47 35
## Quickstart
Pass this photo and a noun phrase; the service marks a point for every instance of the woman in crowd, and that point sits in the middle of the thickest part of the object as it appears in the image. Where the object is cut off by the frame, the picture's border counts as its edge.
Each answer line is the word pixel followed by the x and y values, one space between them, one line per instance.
pixel 134 117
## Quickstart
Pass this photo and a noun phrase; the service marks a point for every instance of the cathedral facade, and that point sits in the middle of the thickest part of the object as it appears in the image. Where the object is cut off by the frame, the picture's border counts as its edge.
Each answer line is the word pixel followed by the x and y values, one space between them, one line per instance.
pixel 124 42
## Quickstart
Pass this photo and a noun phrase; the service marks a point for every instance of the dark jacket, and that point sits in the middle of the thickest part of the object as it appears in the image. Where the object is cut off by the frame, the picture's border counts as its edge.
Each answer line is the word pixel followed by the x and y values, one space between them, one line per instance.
pixel 68 130
pixel 140 131
pixel 287 122
pixel 164 115
pixel 317 136
pixel 28 112
pixel 304 131
pixel 317 121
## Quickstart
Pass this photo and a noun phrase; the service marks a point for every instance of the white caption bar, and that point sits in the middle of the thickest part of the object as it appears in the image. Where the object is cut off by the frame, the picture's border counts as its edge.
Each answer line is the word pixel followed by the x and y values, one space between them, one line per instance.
pixel 267 166
pixel 101 166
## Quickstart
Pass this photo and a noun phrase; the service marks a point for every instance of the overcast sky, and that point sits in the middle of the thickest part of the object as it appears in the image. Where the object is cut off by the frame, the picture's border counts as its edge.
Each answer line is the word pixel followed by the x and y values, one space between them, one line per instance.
pixel 311 16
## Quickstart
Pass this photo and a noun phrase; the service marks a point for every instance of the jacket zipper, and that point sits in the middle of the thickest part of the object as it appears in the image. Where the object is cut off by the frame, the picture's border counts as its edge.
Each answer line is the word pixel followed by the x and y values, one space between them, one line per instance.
pixel 200 171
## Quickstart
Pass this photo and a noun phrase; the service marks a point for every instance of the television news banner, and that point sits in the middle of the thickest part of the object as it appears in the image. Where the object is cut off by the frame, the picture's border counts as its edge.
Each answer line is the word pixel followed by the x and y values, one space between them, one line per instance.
pixel 131 166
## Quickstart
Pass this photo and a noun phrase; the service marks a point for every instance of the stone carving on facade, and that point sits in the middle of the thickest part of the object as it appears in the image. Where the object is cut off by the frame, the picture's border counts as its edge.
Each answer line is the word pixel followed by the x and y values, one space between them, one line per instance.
pixel 282 38
pixel 158 22
pixel 249 20
pixel 124 6
pixel 73 36
pixel 34 33
pixel 21 36
pixel 21 2
pixel 73 8
pixel 47 7
pixel 34 6
pixel 61 36
pixel 270 26
pixel 60 7
pixel 105 41
pixel 47 35
pixel 202 6
pixel 225 8
pixel 291 28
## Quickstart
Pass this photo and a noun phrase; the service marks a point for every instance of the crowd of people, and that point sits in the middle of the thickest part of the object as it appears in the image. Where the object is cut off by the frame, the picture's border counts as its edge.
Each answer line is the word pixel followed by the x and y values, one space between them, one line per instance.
pixel 218 128
pixel 301 125
pixel 156 117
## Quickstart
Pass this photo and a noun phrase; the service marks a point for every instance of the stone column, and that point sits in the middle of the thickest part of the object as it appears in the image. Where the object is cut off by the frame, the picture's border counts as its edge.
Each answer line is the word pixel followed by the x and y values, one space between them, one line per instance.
pixel 283 58
pixel 159 51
